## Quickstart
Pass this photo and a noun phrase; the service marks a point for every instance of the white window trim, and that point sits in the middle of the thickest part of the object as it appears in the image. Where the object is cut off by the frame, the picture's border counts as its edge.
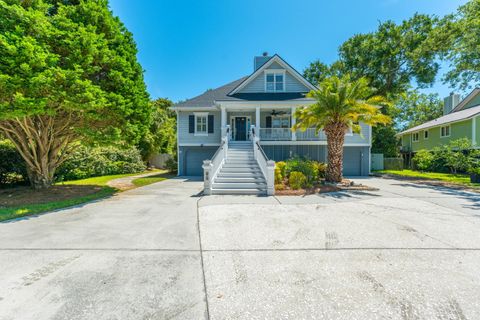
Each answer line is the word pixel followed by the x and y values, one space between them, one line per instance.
pixel 428 134
pixel 274 72
pixel 201 114
pixel 449 131
pixel 288 116
pixel 418 136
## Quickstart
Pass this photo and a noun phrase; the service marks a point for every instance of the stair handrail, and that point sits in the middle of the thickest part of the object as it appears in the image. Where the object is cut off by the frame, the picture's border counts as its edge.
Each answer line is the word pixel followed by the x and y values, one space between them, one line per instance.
pixel 266 166
pixel 212 167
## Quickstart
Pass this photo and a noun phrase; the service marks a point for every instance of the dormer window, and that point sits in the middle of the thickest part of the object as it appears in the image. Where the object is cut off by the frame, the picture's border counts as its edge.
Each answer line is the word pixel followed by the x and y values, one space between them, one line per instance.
pixel 274 81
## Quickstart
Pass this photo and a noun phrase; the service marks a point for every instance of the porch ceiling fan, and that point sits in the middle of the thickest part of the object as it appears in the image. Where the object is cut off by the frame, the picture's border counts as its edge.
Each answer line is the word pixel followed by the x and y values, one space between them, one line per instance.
pixel 278 113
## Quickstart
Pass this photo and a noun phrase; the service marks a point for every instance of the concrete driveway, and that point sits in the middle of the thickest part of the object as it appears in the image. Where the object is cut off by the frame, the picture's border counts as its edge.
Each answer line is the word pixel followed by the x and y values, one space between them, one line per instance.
pixel 408 251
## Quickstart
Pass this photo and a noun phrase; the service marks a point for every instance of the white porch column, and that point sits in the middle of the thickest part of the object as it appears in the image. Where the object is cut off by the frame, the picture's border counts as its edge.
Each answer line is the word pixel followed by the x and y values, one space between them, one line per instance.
pixel 257 121
pixel 294 121
pixel 224 121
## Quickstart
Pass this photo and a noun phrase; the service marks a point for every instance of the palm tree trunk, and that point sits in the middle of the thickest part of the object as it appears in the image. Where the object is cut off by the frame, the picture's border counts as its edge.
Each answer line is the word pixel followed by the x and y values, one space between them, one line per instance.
pixel 335 138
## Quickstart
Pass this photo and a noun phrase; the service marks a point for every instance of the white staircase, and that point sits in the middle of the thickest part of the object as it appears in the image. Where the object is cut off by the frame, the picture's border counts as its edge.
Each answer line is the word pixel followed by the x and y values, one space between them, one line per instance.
pixel 240 173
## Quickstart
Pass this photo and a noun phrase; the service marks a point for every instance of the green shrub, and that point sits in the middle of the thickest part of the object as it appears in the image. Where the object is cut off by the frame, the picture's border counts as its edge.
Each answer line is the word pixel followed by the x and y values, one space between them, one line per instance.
pixel 171 165
pixel 307 167
pixel 87 162
pixel 423 160
pixel 12 166
pixel 279 186
pixel 278 175
pixel 297 180
pixel 322 168
pixel 281 166
pixel 474 170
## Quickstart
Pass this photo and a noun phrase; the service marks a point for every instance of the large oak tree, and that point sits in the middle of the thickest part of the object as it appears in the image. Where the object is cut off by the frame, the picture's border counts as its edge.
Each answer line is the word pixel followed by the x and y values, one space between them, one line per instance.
pixel 68 73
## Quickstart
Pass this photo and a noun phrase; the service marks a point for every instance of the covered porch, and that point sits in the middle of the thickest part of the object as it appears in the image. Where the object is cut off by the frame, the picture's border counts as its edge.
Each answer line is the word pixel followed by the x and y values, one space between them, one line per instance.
pixel 267 123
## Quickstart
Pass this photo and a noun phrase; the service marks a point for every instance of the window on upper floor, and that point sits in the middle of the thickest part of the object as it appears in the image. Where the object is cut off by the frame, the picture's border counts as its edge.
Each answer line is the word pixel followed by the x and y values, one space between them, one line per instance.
pixel 415 137
pixel 274 81
pixel 425 134
pixel 201 123
pixel 445 131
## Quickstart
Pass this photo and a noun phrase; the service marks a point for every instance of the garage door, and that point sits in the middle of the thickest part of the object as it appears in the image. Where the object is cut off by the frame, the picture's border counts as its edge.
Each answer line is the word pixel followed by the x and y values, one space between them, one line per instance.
pixel 352 161
pixel 194 160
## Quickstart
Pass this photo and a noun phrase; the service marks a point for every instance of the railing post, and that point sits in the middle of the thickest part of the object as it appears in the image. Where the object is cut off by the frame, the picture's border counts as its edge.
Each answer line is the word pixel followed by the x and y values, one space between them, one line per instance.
pixel 225 147
pixel 207 177
pixel 270 177
pixel 255 149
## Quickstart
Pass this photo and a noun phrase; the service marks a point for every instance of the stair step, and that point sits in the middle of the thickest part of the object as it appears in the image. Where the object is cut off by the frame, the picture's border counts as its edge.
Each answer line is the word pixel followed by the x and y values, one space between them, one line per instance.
pixel 219 179
pixel 239 185
pixel 240 169
pixel 241 161
pixel 234 166
pixel 250 174
pixel 253 191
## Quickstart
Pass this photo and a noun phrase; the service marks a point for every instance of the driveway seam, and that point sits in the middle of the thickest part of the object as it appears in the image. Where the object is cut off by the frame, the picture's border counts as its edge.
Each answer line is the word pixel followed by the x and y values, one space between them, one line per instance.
pixel 201 259
pixel 246 250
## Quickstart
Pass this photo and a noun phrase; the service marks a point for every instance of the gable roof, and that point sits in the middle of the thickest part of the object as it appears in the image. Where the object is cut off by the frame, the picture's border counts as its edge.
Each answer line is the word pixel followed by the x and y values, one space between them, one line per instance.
pixel 449 118
pixel 284 64
pixel 469 98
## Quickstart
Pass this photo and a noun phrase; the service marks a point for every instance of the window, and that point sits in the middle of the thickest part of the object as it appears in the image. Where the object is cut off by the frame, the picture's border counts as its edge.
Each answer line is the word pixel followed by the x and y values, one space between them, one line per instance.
pixel 425 134
pixel 415 137
pixel 274 81
pixel 349 132
pixel 201 123
pixel 445 131
pixel 281 121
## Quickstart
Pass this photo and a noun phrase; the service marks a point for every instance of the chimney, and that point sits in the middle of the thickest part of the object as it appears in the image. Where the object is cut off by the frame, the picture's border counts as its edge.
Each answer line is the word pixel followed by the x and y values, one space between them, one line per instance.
pixel 450 102
pixel 260 61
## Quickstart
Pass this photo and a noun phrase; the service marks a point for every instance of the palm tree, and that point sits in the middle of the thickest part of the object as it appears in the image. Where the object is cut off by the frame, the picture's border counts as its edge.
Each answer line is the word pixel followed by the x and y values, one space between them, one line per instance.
pixel 341 103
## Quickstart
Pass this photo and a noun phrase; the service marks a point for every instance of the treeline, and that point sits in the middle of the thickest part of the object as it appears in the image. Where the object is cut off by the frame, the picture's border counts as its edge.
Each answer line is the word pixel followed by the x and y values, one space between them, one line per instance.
pixel 398 59
pixel 69 78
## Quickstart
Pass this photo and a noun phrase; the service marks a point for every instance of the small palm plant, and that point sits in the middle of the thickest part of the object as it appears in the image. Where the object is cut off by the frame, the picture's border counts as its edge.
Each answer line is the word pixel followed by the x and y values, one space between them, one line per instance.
pixel 341 103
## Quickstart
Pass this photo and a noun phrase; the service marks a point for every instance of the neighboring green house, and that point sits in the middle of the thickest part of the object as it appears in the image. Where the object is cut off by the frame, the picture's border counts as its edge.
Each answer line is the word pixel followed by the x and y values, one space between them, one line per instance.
pixel 461 119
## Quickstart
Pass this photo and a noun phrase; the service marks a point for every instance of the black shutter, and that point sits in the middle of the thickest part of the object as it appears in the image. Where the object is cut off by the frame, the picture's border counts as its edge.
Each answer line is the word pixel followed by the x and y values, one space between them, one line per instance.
pixel 268 120
pixel 191 124
pixel 210 123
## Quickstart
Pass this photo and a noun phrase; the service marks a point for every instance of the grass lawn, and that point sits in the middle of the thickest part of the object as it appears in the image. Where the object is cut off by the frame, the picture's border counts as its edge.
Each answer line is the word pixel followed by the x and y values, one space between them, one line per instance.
pixel 140 182
pixel 23 201
pixel 459 179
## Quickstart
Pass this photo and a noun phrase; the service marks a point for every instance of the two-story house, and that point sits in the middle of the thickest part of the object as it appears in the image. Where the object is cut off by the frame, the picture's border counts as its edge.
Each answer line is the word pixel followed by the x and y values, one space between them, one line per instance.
pixel 461 119
pixel 258 107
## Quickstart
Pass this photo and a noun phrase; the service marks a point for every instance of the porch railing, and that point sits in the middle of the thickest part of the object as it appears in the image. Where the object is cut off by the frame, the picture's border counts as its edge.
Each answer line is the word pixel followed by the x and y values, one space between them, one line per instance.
pixel 285 134
pixel 267 166
pixel 275 134
pixel 310 135
pixel 212 166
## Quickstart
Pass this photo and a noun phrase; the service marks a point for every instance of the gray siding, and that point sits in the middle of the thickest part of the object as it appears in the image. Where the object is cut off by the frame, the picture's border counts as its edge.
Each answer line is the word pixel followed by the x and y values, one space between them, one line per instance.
pixel 185 137
pixel 258 84
pixel 190 159
pixel 284 152
pixel 355 159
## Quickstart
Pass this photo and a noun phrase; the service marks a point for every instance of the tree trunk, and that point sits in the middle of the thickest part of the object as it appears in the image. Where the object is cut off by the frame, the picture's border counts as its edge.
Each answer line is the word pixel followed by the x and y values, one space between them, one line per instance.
pixel 335 138
pixel 43 142
pixel 40 180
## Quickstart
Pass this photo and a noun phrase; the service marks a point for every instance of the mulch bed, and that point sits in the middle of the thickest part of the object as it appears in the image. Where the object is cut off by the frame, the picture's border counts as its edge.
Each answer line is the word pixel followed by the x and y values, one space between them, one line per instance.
pixel 24 195
pixel 345 185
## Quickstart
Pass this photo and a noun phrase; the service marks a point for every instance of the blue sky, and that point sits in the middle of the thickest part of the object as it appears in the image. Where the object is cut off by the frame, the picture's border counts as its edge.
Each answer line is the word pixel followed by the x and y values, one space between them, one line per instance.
pixel 189 46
